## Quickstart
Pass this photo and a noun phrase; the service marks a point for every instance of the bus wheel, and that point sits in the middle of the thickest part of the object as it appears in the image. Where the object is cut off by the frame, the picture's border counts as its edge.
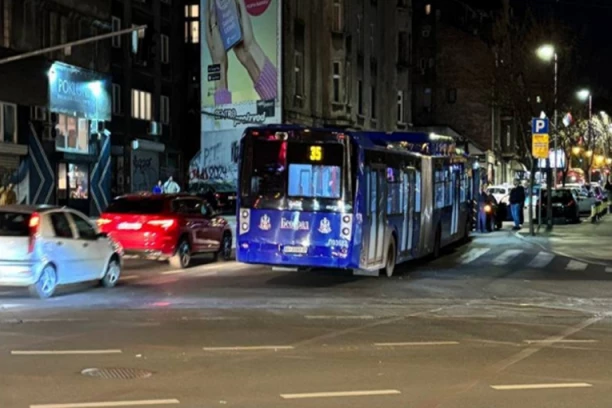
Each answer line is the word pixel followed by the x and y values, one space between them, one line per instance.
pixel 390 264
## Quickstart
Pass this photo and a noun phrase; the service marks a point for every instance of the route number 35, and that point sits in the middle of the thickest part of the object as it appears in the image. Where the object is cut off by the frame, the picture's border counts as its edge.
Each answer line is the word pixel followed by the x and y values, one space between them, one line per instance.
pixel 316 153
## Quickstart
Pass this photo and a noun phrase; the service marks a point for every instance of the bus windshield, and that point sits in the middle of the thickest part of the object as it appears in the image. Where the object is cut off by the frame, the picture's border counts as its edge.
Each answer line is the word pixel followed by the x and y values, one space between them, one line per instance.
pixel 278 170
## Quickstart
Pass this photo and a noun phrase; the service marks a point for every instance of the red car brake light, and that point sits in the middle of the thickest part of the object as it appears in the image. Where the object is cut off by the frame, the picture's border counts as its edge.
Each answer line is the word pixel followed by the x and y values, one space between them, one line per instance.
pixel 571 203
pixel 33 225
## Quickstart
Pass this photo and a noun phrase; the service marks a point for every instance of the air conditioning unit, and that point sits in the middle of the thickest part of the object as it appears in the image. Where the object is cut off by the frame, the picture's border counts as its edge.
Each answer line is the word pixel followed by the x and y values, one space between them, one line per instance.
pixel 155 129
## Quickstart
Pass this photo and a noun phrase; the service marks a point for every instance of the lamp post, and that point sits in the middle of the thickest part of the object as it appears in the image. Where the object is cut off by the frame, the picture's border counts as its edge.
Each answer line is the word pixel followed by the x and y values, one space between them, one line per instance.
pixel 586 95
pixel 548 53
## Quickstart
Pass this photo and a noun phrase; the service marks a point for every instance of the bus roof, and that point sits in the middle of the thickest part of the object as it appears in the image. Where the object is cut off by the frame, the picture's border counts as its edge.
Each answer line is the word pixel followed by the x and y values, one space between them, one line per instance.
pixel 416 142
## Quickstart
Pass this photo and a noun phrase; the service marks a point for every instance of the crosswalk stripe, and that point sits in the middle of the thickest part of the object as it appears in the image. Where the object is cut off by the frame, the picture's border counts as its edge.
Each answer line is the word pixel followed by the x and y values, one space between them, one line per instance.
pixel 576 266
pixel 473 254
pixel 541 260
pixel 608 269
pixel 506 256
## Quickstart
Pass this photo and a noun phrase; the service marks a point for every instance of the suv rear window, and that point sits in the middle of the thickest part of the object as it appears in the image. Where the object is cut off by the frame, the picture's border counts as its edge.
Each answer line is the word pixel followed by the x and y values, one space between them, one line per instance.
pixel 138 206
pixel 558 196
pixel 14 224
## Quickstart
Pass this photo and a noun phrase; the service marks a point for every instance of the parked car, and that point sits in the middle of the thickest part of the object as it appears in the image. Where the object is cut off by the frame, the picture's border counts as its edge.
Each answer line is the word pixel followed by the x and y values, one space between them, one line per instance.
pixel 172 227
pixel 221 196
pixel 43 247
pixel 564 205
pixel 585 200
pixel 500 192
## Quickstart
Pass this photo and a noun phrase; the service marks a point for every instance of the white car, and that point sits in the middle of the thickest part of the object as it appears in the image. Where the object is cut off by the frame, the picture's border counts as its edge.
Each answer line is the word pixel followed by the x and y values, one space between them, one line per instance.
pixel 43 247
pixel 500 193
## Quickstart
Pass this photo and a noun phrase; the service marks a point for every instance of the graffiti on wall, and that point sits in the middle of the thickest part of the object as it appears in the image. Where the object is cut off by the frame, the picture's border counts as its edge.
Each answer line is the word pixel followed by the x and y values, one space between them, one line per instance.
pixel 218 159
pixel 145 170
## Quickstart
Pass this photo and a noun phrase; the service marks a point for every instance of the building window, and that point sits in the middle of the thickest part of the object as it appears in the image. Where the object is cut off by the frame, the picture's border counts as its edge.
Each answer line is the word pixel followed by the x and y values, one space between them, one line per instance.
pixel 141 104
pixel 348 84
pixel 337 82
pixel 137 38
pixel 7 20
pixel 338 16
pixel 164 111
pixel 372 38
pixel 192 24
pixel 72 134
pixel 359 32
pixel 400 106
pixel 64 34
pixel 451 95
pixel 116 40
pixel 360 97
pixel 402 47
pixel 427 9
pixel 373 102
pixel 298 70
pixel 8 119
pixel 53 29
pixel 116 99
pixel 165 49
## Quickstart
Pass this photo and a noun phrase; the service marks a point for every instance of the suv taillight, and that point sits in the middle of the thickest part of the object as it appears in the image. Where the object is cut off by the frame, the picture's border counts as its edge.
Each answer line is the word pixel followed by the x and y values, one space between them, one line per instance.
pixel 33 225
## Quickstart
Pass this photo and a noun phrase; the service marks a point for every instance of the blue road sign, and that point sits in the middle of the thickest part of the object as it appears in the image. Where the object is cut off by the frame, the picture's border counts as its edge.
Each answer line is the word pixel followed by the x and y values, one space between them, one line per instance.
pixel 540 126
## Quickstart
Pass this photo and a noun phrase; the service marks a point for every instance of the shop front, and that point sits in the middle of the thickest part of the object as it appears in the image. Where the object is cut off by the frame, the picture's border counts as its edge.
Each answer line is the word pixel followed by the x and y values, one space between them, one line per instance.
pixel 79 102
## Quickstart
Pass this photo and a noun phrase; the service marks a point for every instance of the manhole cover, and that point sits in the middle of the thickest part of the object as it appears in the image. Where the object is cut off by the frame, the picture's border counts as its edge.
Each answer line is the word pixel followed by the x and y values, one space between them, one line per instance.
pixel 117 373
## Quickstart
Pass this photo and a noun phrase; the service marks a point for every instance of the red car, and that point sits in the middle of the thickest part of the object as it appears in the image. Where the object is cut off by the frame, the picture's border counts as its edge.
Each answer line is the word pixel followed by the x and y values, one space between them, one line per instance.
pixel 171 227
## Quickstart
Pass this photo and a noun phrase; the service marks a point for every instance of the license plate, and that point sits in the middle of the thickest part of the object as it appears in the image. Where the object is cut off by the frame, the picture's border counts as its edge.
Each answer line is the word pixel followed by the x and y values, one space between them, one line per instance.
pixel 295 250
pixel 129 226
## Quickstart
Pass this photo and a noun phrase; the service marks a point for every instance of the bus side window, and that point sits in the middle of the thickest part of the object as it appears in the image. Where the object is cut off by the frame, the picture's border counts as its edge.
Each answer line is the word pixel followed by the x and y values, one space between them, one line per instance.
pixel 417 192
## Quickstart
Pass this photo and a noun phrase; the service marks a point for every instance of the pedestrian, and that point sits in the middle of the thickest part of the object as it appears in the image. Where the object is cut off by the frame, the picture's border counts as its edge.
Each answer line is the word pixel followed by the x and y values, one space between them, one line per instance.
pixel 492 203
pixel 2 195
pixel 158 188
pixel 517 203
pixel 171 187
pixel 483 199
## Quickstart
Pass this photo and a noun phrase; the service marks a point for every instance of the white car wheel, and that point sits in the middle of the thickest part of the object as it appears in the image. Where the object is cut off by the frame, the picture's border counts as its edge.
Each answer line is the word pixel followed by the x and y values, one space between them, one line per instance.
pixel 45 287
pixel 113 272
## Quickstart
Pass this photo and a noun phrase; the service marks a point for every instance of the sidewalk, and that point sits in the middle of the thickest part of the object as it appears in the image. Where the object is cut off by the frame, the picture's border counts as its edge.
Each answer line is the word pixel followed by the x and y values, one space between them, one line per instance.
pixel 587 242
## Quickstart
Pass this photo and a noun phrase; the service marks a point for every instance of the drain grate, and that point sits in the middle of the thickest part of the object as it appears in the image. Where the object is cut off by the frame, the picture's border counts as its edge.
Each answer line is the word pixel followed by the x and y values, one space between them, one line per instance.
pixel 117 373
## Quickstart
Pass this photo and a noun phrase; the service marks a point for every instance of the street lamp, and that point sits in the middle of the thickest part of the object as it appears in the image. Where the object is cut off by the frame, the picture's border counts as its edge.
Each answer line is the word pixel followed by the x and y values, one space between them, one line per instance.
pixel 548 53
pixel 586 95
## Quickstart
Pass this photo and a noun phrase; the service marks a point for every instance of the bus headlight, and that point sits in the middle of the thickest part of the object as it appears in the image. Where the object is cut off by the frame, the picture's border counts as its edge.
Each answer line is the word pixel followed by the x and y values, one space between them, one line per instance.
pixel 244 220
pixel 346 228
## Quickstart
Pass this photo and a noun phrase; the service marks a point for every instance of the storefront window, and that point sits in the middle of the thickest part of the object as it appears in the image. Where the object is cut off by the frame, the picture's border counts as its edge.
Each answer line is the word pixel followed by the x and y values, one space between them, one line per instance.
pixel 72 134
pixel 78 181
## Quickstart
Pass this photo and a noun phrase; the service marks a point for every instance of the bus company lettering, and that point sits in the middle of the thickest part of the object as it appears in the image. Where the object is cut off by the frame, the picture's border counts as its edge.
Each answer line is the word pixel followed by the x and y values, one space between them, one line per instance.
pixel 295 225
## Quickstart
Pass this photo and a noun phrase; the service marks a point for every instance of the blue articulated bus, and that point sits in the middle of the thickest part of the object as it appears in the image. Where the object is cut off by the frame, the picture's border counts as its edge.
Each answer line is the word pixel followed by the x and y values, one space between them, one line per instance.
pixel 361 201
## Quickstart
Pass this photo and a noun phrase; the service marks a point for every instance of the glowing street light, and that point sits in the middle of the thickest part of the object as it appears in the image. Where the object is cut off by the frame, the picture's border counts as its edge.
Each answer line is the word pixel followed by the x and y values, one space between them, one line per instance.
pixel 584 94
pixel 546 52
pixel 576 150
pixel 588 153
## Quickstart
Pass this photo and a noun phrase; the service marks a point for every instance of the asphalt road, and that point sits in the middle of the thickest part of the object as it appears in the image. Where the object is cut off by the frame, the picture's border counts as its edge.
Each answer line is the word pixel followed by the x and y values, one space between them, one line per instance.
pixel 496 323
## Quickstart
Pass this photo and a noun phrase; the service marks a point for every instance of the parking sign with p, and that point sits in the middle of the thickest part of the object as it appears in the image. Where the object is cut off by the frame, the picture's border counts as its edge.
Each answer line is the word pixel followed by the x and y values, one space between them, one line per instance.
pixel 539 138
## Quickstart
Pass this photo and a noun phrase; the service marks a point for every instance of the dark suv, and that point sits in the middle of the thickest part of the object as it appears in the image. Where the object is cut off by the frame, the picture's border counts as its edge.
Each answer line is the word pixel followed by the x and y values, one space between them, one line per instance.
pixel 167 227
pixel 564 205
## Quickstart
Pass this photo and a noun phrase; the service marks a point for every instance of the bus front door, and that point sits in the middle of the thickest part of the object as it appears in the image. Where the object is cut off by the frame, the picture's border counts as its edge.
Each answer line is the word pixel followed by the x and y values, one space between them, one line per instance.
pixel 376 211
pixel 408 188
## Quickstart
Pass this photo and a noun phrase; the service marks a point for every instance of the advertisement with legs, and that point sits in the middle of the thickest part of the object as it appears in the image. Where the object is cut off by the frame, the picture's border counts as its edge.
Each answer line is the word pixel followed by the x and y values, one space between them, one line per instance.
pixel 241 84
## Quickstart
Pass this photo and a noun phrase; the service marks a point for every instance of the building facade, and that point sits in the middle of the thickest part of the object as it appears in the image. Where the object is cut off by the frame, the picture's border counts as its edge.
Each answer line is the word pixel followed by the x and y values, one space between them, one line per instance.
pixel 454 81
pixel 55 108
pixel 148 94
pixel 336 63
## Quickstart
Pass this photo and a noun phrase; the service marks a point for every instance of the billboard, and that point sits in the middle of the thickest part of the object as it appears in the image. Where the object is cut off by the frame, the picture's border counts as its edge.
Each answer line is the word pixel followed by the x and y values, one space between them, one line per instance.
pixel 241 56
pixel 79 92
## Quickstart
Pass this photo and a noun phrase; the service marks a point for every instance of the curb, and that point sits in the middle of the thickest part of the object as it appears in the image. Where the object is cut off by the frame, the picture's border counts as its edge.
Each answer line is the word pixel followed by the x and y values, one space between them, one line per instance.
pixel 525 239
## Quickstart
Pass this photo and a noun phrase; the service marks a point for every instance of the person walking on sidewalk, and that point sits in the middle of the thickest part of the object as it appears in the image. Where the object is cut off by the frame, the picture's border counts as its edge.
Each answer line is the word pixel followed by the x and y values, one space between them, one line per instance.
pixel 483 201
pixel 517 202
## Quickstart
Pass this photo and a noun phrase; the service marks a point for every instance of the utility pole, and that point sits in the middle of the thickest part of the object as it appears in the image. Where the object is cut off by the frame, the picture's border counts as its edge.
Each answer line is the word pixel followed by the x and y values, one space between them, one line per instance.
pixel 70 44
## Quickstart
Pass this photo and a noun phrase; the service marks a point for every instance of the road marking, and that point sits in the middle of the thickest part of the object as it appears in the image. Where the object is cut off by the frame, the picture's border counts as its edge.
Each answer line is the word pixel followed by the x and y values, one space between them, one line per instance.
pixel 506 256
pixel 110 404
pixel 418 343
pixel 129 277
pixel 576 266
pixel 364 317
pixel 62 352
pixel 539 386
pixel 248 348
pixel 472 255
pixel 541 260
pixel 340 394
pixel 567 341
pixel 608 269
